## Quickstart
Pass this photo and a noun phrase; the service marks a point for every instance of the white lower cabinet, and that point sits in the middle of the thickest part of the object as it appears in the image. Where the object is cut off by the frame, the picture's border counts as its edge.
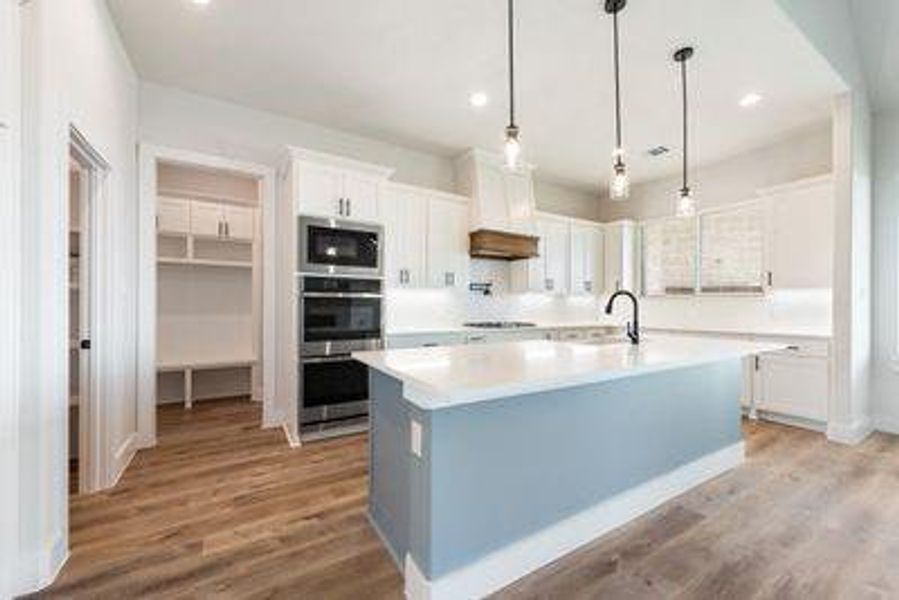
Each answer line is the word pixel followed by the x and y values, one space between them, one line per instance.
pixel 792 383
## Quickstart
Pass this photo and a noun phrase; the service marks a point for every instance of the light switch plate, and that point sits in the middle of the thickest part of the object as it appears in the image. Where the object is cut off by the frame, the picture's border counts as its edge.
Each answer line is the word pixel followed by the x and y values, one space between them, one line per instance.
pixel 415 437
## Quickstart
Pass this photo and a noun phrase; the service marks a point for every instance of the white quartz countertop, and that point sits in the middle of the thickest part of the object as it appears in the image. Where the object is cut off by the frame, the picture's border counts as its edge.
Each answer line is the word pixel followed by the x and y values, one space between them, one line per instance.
pixel 448 376
pixel 538 326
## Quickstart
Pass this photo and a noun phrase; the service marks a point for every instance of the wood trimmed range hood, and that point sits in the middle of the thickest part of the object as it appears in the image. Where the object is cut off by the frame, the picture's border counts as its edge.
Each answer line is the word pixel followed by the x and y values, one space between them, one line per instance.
pixel 502 245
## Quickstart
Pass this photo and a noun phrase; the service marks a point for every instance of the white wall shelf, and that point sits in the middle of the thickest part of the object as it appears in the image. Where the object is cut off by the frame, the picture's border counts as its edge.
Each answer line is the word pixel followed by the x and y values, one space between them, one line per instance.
pixel 201 262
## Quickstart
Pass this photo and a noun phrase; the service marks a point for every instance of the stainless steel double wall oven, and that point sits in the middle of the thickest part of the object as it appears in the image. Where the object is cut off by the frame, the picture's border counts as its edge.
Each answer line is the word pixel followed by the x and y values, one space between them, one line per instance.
pixel 341 309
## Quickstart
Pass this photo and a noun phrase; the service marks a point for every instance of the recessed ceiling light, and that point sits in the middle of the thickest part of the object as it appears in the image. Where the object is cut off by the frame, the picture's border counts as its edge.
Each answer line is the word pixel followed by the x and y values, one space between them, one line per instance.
pixel 201 2
pixel 478 99
pixel 750 100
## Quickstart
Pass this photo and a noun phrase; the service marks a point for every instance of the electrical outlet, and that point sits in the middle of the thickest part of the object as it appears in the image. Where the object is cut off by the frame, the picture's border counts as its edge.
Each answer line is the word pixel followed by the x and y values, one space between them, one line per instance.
pixel 415 437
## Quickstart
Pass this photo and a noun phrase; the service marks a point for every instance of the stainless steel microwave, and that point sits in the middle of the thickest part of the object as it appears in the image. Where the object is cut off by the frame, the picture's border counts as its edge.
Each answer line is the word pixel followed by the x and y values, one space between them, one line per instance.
pixel 333 247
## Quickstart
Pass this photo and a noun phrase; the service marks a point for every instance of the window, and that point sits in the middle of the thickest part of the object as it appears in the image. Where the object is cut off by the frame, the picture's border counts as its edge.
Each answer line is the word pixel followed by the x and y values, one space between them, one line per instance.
pixel 669 257
pixel 732 251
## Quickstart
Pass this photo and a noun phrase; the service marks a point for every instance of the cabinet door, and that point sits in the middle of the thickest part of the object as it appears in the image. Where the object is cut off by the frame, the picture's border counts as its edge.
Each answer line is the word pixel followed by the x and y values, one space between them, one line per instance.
pixel 360 195
pixel 619 257
pixel 519 201
pixel 447 239
pixel 800 237
pixel 206 219
pixel 240 222
pixel 557 256
pixel 405 217
pixel 530 275
pixel 320 191
pixel 796 386
pixel 586 252
pixel 172 216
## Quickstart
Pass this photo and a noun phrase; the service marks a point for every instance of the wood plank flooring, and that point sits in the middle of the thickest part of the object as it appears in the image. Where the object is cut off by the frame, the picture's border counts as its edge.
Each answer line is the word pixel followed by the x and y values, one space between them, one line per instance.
pixel 222 509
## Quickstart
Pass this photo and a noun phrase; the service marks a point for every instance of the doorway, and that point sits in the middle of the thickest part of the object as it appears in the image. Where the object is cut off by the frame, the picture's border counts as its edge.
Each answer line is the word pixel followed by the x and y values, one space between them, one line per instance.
pixel 86 183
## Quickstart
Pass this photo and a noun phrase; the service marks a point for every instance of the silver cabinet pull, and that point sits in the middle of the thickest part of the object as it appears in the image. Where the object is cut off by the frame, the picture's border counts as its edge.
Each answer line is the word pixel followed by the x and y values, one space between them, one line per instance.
pixel 349 207
pixel 449 279
pixel 588 286
pixel 227 229
pixel 340 207
pixel 550 284
pixel 220 229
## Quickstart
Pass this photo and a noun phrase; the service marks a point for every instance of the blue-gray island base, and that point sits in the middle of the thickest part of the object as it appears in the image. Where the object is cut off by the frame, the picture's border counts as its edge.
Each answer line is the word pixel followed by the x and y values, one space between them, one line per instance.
pixel 505 486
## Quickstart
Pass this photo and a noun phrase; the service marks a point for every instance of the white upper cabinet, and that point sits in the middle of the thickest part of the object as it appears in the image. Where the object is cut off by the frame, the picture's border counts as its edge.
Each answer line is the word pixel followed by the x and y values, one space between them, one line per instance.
pixel 336 187
pixel 620 256
pixel 800 234
pixel 501 200
pixel 239 222
pixel 586 259
pixel 206 219
pixel 405 215
pixel 548 272
pixel 447 243
pixel 172 216
pixel 426 238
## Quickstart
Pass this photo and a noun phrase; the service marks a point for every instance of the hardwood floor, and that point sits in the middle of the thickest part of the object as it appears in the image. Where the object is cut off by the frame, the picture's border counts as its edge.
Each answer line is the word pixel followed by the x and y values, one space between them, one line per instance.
pixel 222 509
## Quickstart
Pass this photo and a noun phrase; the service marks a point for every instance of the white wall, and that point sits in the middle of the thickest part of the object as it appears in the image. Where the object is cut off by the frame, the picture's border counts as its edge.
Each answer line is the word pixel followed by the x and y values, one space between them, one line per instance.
pixel 171 117
pixel 828 25
pixel 886 270
pixel 559 199
pixel 76 72
pixel 10 282
pixel 805 153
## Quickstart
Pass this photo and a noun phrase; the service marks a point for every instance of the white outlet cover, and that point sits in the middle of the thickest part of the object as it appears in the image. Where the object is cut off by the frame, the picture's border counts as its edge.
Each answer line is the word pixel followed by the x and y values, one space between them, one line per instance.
pixel 415 437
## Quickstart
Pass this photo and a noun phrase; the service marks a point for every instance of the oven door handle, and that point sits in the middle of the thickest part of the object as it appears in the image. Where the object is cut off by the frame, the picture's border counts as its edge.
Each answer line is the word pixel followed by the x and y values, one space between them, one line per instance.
pixel 315 360
pixel 342 295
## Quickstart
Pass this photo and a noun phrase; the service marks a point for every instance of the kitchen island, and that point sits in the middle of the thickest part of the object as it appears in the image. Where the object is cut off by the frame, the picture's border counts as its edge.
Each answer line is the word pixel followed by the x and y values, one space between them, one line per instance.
pixel 488 462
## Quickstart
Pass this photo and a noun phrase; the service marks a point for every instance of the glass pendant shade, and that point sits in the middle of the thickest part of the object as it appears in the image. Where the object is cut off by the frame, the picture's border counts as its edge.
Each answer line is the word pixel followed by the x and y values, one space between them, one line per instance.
pixel 512 149
pixel 686 204
pixel 619 184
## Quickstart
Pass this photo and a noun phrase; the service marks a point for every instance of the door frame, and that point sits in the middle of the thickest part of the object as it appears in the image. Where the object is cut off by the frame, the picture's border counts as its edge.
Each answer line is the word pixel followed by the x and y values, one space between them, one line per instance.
pixel 149 155
pixel 93 463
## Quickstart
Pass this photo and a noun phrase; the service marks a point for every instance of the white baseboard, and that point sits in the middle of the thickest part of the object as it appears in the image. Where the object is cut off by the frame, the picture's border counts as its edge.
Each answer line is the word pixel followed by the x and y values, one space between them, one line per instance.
pixel 293 440
pixel 849 433
pixel 887 424
pixel 40 569
pixel 122 458
pixel 502 567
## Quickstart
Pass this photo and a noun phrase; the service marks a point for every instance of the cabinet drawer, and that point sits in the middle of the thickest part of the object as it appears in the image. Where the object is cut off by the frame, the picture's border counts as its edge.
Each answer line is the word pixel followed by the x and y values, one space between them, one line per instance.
pixel 395 342
pixel 805 348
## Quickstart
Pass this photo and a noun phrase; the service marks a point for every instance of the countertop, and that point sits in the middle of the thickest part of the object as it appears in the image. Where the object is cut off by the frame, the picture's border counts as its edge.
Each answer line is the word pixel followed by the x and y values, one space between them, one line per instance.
pixel 538 326
pixel 448 376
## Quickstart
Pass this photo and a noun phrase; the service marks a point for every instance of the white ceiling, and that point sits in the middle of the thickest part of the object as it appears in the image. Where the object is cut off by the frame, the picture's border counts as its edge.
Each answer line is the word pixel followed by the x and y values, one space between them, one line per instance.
pixel 402 71
pixel 877 33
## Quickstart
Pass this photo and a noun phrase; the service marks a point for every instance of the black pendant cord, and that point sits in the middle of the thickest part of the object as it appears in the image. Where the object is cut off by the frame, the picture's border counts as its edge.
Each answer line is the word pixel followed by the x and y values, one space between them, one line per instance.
pixel 683 68
pixel 619 160
pixel 511 63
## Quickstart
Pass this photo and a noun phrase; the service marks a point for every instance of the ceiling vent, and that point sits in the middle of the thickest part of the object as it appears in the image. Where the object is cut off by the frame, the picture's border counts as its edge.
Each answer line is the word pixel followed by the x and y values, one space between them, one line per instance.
pixel 658 151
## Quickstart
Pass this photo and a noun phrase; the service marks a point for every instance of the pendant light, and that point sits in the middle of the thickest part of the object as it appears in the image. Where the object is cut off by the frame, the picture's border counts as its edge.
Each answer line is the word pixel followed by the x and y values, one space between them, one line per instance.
pixel 619 186
pixel 513 143
pixel 686 204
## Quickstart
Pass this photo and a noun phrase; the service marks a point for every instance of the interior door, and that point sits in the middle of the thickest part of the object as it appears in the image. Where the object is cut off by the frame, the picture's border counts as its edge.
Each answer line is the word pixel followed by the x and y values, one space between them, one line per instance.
pixel 240 222
pixel 205 219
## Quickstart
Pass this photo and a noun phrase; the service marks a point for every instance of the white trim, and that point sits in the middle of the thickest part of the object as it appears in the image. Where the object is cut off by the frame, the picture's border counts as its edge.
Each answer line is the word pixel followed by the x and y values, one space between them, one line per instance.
pixel 887 424
pixel 340 162
pixel 292 439
pixel 40 569
pixel 122 458
pixel 797 185
pixel 429 192
pixel 498 569
pixel 850 434
pixel 146 336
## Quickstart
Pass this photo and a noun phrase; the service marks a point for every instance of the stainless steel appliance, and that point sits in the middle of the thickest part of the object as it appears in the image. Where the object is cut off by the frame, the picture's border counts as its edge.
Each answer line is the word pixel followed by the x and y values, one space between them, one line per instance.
pixel 337 316
pixel 332 247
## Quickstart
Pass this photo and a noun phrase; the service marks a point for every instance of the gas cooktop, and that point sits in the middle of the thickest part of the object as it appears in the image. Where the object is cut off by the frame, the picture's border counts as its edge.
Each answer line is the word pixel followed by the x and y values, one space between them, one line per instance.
pixel 500 324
